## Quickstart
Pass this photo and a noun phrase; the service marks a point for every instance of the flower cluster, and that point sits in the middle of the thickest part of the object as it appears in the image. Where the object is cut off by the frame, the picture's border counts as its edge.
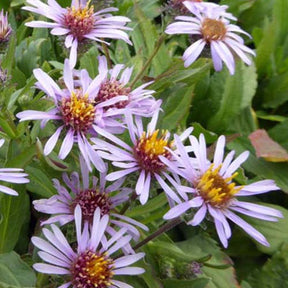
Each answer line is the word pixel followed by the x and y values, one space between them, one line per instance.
pixel 90 116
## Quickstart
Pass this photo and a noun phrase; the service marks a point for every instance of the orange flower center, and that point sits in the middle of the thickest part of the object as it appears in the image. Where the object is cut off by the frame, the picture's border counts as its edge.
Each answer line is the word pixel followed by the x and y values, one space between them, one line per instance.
pixel 78 111
pixel 92 270
pixel 213 30
pixel 149 148
pixel 216 190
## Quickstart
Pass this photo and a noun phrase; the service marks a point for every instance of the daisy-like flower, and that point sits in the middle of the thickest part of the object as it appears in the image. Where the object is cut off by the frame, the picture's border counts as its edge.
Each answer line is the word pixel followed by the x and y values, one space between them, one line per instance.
pixel 142 156
pixel 140 101
pixel 212 190
pixel 89 198
pixel 178 6
pixel 76 112
pixel 212 28
pixel 92 264
pixel 11 175
pixel 79 23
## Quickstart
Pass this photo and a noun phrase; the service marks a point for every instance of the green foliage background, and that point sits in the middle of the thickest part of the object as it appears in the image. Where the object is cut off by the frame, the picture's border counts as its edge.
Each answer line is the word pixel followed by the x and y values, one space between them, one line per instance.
pixel 214 103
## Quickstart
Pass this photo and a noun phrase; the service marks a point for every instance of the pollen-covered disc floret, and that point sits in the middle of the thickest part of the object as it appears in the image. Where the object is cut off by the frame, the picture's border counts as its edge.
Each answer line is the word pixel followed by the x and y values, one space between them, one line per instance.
pixel 110 89
pixel 148 149
pixel 92 269
pixel 213 29
pixel 89 200
pixel 80 21
pixel 215 189
pixel 78 111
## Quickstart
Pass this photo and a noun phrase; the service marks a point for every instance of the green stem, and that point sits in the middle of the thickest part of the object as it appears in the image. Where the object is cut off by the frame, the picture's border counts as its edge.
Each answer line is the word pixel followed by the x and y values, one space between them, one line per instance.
pixel 107 54
pixel 149 60
pixel 166 227
pixel 128 203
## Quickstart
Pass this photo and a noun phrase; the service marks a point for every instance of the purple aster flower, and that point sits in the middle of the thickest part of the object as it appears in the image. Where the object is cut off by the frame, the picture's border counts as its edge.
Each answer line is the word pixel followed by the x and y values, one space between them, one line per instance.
pixel 194 5
pixel 5 29
pixel 79 23
pixel 76 112
pixel 212 27
pixel 11 175
pixel 116 83
pixel 212 190
pixel 142 156
pixel 92 264
pixel 89 198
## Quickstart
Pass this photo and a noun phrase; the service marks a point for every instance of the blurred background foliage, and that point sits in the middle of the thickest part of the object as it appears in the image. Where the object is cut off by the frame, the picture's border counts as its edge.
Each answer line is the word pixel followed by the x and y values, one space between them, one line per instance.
pixel 214 103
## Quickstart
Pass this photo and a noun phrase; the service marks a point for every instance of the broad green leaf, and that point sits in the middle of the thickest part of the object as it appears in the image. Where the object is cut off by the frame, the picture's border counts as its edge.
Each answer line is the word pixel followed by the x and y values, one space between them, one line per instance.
pixel 274 272
pixel 194 283
pixel 176 107
pixel 9 58
pixel 152 205
pixel 150 39
pixel 231 94
pixel 265 47
pixel 14 211
pixel 178 73
pixel 253 17
pixel 275 92
pixel 280 133
pixel 221 277
pixel 280 15
pixel 40 183
pixel 89 61
pixel 15 273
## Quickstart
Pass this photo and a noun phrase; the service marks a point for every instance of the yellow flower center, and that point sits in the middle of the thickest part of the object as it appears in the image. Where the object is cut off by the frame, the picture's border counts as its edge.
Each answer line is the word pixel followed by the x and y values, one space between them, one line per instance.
pixel 78 111
pixel 80 20
pixel 216 190
pixel 149 147
pixel 92 270
pixel 213 30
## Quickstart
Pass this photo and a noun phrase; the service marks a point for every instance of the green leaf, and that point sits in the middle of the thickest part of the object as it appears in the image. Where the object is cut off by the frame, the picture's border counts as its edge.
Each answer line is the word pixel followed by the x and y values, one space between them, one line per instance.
pixel 280 133
pixel 152 205
pixel 40 183
pixel 176 107
pixel 275 93
pixel 14 210
pixel 194 283
pixel 178 73
pixel 89 61
pixel 275 232
pixel 15 273
pixel 150 36
pixel 231 94
pixel 274 272
pixel 201 246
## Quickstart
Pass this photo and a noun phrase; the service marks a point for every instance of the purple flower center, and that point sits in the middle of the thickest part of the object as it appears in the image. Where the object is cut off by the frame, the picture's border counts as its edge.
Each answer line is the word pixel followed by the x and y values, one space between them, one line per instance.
pixel 148 149
pixel 89 200
pixel 111 89
pixel 216 190
pixel 78 111
pixel 213 30
pixel 92 269
pixel 79 21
